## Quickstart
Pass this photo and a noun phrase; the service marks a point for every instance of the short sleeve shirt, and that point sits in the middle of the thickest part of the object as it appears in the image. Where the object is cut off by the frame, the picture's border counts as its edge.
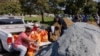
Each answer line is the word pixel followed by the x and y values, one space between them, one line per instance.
pixel 20 40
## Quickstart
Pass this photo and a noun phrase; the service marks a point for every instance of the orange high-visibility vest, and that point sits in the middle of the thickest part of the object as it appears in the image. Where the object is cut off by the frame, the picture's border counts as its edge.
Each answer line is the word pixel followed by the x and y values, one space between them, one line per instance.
pixel 41 36
pixel 32 48
pixel 44 36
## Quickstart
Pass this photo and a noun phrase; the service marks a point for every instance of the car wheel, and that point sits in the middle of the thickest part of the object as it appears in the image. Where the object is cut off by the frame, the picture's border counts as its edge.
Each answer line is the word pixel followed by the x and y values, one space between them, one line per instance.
pixel 1 47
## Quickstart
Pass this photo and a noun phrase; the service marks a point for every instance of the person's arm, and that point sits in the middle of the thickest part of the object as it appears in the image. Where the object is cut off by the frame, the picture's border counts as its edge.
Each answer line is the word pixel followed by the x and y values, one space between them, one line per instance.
pixel 24 37
pixel 28 39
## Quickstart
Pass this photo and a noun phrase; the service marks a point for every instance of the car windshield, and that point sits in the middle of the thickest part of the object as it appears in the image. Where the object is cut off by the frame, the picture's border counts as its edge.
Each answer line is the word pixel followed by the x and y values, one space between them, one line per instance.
pixel 11 21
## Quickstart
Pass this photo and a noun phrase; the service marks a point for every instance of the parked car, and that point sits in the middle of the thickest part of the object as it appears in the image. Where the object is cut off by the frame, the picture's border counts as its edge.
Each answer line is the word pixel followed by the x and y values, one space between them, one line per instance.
pixel 6 40
pixel 10 25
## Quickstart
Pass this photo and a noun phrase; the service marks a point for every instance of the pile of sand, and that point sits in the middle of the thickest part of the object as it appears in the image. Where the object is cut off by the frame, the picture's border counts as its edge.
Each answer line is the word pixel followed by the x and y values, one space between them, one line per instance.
pixel 93 23
pixel 68 22
pixel 81 39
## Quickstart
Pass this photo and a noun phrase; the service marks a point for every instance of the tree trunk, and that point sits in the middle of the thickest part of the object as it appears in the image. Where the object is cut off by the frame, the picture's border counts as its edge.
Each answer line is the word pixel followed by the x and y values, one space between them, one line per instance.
pixel 42 15
pixel 30 14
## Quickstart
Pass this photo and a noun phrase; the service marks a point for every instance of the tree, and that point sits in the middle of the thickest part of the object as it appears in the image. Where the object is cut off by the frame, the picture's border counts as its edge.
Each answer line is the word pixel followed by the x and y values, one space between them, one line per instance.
pixel 24 6
pixel 10 7
pixel 43 6
pixel 39 5
pixel 3 1
pixel 99 8
pixel 57 6
pixel 80 6
pixel 90 7
pixel 13 8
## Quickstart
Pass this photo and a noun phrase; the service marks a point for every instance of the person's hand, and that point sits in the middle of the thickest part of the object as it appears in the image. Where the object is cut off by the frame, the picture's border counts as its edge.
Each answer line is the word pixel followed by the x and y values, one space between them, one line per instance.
pixel 33 46
pixel 34 43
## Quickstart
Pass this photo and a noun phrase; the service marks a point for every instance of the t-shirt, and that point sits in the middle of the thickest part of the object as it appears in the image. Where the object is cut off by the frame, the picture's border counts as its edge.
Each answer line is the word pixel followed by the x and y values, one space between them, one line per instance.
pixel 20 40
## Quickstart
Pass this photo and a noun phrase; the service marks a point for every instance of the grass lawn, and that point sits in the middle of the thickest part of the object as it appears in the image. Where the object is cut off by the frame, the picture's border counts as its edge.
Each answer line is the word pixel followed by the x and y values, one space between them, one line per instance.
pixel 39 18
pixel 47 20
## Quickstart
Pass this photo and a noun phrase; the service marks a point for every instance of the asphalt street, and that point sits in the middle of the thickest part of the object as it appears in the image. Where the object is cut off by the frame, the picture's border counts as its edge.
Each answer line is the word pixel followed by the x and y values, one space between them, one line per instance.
pixel 8 54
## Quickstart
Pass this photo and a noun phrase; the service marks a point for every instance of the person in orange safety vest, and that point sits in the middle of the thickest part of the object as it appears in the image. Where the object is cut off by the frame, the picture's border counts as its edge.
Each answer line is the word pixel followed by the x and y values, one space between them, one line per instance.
pixel 33 47
pixel 38 36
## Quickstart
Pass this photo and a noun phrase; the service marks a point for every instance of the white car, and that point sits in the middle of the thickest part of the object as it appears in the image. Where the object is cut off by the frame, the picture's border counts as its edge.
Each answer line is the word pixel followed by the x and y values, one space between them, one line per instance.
pixel 6 40
pixel 10 25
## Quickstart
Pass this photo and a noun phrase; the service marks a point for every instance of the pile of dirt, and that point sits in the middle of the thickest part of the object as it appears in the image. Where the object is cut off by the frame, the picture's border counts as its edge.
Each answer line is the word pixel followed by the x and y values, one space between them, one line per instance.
pixel 68 22
pixel 93 23
pixel 81 39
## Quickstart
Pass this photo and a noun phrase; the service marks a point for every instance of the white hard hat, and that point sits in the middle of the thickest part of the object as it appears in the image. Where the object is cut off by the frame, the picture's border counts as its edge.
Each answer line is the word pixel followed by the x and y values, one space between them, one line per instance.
pixel 37 24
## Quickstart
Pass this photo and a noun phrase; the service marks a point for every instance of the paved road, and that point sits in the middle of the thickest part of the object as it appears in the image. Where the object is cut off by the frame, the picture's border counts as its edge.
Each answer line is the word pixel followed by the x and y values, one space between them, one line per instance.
pixel 8 54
